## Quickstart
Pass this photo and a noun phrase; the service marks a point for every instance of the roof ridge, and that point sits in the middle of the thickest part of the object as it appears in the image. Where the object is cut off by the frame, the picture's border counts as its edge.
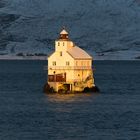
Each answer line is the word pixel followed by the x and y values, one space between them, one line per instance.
pixel 77 52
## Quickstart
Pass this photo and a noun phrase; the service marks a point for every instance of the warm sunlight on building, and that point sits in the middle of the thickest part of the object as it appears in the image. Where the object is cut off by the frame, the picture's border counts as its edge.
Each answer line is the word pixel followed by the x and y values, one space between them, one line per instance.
pixel 69 67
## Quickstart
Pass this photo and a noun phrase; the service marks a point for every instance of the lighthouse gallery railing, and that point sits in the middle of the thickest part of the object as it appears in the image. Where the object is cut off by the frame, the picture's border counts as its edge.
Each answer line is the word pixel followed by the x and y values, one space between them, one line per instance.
pixel 68 68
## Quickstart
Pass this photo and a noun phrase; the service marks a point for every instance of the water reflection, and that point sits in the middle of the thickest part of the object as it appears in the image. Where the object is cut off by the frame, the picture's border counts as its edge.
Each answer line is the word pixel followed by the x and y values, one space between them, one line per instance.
pixel 81 97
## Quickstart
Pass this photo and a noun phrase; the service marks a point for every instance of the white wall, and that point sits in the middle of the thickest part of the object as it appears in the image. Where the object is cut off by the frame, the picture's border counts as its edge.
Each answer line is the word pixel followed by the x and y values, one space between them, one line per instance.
pixel 61 64
pixel 63 45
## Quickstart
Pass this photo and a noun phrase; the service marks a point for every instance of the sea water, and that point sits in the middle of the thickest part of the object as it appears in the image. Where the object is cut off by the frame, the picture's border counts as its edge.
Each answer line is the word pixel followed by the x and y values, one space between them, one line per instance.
pixel 26 113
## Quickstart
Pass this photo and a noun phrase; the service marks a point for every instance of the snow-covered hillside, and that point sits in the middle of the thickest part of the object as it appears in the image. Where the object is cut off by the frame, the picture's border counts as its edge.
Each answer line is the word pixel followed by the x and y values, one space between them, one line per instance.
pixel 107 29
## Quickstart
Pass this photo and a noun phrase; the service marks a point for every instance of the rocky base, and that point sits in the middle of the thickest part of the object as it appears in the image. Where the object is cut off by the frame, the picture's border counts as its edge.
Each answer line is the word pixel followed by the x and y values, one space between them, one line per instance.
pixel 49 90
pixel 92 89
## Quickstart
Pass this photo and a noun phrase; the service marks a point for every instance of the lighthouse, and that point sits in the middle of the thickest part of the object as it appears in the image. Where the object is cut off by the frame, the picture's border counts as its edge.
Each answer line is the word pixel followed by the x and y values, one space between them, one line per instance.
pixel 69 67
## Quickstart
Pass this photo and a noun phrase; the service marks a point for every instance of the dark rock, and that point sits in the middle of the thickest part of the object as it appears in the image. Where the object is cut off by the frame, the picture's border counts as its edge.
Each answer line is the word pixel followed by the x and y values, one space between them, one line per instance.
pixel 48 89
pixel 92 89
pixel 138 57
pixel 20 54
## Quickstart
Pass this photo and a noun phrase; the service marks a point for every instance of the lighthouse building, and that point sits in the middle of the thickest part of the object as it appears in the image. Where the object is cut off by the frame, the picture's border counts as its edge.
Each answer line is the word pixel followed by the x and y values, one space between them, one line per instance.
pixel 69 67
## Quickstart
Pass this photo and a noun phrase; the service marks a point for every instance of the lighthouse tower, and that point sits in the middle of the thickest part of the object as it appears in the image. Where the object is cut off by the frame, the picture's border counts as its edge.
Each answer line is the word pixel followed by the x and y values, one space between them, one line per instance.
pixel 69 67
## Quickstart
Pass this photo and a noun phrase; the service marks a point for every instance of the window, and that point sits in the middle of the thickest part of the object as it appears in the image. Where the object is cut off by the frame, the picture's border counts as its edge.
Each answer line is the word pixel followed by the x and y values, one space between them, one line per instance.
pixel 76 63
pixel 63 44
pixel 58 43
pixel 54 63
pixel 67 63
pixel 60 53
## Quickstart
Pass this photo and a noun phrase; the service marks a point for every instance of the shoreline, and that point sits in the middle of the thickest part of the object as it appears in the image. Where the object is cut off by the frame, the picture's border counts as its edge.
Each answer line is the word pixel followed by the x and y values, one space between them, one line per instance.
pixel 42 58
pixel 22 58
pixel 38 59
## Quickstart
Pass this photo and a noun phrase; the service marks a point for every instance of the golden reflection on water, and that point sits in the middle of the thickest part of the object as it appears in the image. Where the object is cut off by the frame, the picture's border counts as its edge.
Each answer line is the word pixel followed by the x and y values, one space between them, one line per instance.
pixel 70 97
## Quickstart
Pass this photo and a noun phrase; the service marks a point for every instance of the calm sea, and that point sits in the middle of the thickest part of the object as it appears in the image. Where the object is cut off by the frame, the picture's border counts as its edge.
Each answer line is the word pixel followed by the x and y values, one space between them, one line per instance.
pixel 26 113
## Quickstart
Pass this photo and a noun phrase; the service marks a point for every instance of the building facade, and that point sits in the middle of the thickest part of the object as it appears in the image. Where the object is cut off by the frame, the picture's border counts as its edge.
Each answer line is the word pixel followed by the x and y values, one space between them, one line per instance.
pixel 69 67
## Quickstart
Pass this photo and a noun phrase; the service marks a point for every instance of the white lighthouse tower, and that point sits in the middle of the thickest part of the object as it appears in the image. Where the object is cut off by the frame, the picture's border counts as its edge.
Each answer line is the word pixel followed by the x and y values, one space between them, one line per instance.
pixel 69 67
